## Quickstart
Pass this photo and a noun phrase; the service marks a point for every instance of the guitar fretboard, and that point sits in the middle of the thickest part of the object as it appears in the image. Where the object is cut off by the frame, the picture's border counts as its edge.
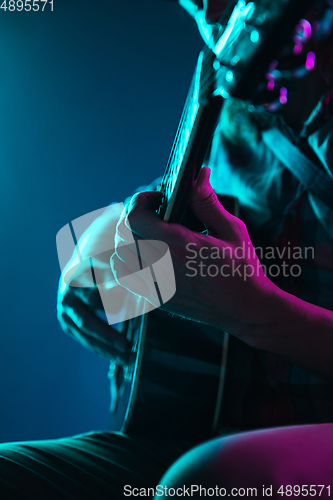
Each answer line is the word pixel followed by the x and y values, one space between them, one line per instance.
pixel 201 82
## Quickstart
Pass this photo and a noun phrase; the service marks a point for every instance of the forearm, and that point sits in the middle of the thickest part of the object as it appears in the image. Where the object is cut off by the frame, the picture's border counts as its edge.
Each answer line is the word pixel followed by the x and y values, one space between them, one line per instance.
pixel 297 330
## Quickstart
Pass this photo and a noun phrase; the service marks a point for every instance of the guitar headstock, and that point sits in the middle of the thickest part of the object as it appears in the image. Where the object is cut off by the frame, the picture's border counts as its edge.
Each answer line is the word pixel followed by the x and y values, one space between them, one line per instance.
pixel 257 53
pixel 265 46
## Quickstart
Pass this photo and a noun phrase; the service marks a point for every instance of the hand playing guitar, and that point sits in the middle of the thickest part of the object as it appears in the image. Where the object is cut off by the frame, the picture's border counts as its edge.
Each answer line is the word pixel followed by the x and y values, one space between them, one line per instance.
pixel 78 303
pixel 246 304
pixel 229 299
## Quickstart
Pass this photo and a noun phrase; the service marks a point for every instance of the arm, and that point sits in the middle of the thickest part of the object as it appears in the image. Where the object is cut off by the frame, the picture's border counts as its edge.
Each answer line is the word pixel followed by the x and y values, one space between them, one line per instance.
pixel 297 330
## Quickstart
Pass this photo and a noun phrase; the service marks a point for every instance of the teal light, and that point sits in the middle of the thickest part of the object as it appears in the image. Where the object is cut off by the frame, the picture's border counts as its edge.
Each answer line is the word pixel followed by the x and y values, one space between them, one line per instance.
pixel 235 60
pixel 254 37
pixel 221 91
pixel 229 76
pixel 235 26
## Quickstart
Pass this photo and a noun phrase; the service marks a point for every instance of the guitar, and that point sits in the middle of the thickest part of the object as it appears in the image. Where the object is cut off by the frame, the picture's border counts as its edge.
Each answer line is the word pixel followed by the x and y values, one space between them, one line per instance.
pixel 175 386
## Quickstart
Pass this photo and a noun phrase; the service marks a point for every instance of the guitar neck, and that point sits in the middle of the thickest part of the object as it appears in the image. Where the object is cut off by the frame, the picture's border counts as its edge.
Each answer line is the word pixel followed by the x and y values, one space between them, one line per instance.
pixel 192 141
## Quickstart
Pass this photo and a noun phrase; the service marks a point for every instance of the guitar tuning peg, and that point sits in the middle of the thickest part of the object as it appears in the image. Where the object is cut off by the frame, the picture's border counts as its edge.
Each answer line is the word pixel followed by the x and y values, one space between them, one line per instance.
pixel 310 61
pixel 254 36
pixel 303 31
pixel 283 95
pixel 229 76
pixel 260 19
pixel 235 60
pixel 298 47
pixel 270 85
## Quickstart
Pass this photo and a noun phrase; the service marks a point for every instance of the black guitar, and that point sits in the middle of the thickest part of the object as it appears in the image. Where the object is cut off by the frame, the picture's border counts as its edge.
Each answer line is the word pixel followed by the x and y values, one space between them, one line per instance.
pixel 175 386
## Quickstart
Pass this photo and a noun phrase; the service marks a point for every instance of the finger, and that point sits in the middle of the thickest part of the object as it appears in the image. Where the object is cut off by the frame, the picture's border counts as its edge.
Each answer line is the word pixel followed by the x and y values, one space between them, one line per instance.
pixel 98 346
pixel 89 323
pixel 143 219
pixel 148 200
pixel 207 207
pixel 140 254
pixel 121 271
pixel 141 284
pixel 129 255
pixel 101 267
pixel 124 234
pixel 90 296
pixel 143 254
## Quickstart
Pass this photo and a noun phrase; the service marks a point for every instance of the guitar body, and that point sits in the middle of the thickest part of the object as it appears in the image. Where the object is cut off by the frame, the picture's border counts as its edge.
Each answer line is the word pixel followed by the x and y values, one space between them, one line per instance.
pixel 177 384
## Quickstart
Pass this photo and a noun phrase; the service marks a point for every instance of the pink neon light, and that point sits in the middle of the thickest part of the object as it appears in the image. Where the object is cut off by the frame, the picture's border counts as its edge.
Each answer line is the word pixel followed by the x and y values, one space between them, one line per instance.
pixel 270 85
pixel 297 48
pixel 303 31
pixel 283 95
pixel 306 27
pixel 310 61
pixel 273 65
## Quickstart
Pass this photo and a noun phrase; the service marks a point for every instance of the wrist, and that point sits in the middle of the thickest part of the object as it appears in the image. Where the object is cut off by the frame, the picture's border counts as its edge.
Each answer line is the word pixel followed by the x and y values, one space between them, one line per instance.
pixel 262 317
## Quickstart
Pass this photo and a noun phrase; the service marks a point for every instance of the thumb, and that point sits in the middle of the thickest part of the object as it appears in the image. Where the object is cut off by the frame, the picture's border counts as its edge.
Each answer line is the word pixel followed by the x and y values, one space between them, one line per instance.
pixel 207 207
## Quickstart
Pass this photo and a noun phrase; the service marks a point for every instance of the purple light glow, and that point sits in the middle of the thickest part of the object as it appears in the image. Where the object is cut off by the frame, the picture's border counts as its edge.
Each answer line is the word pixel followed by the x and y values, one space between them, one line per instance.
pixel 283 95
pixel 270 85
pixel 297 48
pixel 303 31
pixel 273 65
pixel 310 61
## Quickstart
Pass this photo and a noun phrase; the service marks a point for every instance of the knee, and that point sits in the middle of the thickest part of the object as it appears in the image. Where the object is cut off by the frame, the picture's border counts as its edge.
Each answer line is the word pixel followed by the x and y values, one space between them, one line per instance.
pixel 195 470
pixel 250 460
pixel 233 462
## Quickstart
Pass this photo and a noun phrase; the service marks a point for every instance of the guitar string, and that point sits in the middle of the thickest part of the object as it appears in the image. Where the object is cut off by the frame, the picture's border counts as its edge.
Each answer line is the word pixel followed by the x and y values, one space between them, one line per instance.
pixel 208 75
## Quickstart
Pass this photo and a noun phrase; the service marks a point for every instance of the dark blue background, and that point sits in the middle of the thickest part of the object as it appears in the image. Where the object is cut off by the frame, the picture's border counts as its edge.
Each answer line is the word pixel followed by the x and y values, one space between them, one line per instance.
pixel 90 97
